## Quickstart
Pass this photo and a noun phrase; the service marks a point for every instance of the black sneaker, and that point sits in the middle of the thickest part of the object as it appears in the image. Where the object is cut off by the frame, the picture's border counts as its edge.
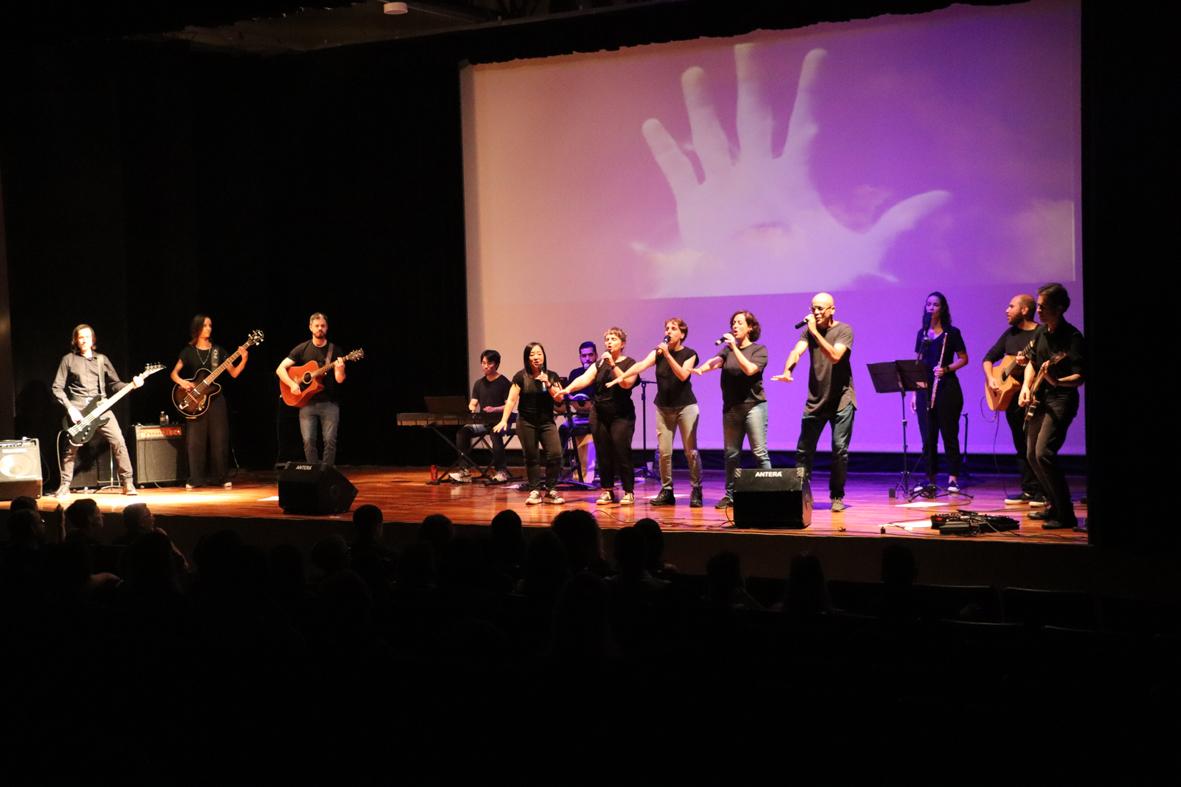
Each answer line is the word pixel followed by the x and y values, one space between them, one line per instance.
pixel 665 498
pixel 1058 524
pixel 725 502
pixel 695 500
pixel 1019 500
pixel 1045 514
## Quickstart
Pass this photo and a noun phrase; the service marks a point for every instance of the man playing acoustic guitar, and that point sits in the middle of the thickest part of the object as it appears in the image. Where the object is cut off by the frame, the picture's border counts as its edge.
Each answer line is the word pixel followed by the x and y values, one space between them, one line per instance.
pixel 1003 372
pixel 321 413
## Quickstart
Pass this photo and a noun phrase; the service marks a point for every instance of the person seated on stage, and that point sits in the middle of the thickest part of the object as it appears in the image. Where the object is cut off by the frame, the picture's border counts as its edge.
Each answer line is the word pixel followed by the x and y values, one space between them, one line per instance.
pixel 580 405
pixel 489 394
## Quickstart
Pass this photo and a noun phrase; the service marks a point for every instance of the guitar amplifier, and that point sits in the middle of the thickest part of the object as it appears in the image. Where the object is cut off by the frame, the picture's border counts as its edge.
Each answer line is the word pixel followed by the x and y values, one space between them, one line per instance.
pixel 160 456
pixel 93 466
pixel 20 468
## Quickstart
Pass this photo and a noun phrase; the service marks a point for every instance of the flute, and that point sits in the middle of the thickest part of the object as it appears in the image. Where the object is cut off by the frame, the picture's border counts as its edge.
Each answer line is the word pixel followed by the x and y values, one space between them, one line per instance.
pixel 935 385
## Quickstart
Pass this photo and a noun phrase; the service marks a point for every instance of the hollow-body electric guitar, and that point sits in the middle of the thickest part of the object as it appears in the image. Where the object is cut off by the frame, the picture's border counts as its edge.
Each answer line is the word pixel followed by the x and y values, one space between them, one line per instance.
pixel 194 402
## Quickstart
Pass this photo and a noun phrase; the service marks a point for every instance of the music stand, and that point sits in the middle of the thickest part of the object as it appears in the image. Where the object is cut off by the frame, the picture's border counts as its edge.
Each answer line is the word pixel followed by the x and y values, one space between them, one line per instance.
pixel 645 470
pixel 899 377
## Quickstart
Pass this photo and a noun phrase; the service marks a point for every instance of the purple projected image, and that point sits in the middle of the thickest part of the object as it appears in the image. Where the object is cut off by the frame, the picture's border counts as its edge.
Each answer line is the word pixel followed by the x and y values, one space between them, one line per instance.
pixel 760 209
pixel 877 160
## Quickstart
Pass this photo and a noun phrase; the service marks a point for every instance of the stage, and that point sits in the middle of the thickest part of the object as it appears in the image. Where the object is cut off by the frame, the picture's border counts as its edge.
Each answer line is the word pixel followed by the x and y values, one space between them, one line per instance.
pixel 1026 557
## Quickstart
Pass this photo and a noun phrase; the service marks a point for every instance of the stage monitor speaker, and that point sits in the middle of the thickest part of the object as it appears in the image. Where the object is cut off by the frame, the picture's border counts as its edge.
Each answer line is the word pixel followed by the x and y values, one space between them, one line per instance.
pixel 306 488
pixel 772 499
pixel 20 468
pixel 160 455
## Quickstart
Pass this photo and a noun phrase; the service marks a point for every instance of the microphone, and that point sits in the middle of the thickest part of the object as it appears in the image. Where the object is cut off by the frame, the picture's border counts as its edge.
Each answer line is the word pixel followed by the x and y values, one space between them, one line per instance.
pixel 720 341
pixel 666 339
pixel 801 323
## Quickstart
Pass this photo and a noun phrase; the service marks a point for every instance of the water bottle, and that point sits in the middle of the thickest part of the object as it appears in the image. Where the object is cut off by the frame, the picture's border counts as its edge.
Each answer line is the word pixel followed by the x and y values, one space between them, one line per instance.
pixel 163 418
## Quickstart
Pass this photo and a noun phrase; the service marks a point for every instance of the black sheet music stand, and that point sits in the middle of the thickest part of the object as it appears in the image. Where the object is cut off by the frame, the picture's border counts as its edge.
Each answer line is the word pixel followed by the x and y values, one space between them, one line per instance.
pixel 900 377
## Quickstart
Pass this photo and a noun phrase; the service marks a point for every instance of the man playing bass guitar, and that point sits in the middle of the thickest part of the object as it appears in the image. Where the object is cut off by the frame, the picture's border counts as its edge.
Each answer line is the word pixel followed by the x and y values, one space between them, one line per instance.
pixel 1059 356
pixel 321 414
pixel 82 375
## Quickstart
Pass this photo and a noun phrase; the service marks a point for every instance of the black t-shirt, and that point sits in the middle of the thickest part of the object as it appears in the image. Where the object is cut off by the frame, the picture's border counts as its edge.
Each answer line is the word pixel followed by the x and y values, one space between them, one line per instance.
pixel 1011 342
pixel 1065 339
pixel 830 385
pixel 671 391
pixel 491 394
pixel 617 400
pixel 737 386
pixel 194 360
pixel 575 373
pixel 930 352
pixel 535 404
pixel 308 352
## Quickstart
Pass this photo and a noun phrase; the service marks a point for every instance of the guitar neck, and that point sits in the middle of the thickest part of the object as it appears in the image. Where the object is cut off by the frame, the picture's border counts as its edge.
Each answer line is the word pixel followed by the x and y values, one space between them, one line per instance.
pixel 221 367
pixel 108 404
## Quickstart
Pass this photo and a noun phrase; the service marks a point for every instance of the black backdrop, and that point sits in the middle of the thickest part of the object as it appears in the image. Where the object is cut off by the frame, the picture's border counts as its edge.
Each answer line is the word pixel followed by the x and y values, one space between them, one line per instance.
pixel 145 182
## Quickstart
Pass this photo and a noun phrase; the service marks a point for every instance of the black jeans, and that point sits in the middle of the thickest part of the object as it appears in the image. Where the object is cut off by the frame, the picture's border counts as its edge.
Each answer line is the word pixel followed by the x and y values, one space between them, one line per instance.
pixel 1015 415
pixel 944 420
pixel 208 437
pixel 613 448
pixel 1045 434
pixel 544 434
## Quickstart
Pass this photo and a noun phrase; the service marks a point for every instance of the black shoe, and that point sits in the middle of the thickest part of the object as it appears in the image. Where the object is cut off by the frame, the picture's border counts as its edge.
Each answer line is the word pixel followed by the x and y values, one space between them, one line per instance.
pixel 695 500
pixel 1046 514
pixel 725 502
pixel 665 498
pixel 1057 524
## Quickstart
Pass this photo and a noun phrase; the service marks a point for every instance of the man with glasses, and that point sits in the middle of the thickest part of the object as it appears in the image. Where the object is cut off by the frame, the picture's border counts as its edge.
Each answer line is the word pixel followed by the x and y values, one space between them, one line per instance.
pixel 831 399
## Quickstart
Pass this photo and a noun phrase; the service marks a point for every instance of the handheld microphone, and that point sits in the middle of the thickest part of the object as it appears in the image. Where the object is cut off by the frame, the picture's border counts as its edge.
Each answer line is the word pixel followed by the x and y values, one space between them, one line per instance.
pixel 720 341
pixel 801 323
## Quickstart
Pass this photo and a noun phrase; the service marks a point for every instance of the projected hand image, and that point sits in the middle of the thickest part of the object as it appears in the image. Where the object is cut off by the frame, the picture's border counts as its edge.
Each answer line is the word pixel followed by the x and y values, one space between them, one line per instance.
pixel 755 222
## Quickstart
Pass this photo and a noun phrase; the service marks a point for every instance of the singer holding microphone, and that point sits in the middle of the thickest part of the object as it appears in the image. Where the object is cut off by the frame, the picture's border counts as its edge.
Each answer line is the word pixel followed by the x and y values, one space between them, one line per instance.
pixel 941 347
pixel 676 408
pixel 535 388
pixel 613 419
pixel 744 404
pixel 831 399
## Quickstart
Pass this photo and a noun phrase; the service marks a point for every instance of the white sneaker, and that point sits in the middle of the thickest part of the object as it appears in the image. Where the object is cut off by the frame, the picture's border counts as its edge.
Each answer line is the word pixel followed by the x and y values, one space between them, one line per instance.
pixel 553 498
pixel 606 498
pixel 534 498
pixel 461 476
pixel 628 499
pixel 499 477
pixel 953 487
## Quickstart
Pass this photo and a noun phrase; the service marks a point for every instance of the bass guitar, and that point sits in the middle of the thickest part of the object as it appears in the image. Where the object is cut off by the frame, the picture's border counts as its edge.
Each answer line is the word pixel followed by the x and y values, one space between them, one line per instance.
pixel 1031 408
pixel 308 376
pixel 92 420
pixel 194 402
pixel 1010 384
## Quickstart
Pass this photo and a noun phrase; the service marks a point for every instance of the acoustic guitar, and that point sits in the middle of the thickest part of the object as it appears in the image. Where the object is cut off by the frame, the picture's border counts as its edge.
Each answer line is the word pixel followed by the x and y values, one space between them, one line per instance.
pixel 1031 408
pixel 308 376
pixel 1010 383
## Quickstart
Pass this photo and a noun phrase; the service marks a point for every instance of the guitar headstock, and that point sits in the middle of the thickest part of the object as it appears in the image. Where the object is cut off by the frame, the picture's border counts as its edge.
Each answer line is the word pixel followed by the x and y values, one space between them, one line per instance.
pixel 355 355
pixel 151 368
pixel 256 337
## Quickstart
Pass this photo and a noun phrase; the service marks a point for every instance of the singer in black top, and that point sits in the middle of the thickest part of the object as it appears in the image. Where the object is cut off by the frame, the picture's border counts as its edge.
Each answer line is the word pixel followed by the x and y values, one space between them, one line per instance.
pixel 1061 354
pixel 208 436
pixel 744 405
pixel 938 406
pixel 676 408
pixel 613 419
pixel 831 399
pixel 535 388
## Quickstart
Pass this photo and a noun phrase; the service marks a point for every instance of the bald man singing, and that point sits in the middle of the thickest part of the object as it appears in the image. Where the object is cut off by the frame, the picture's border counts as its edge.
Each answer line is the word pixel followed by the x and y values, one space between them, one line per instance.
pixel 830 392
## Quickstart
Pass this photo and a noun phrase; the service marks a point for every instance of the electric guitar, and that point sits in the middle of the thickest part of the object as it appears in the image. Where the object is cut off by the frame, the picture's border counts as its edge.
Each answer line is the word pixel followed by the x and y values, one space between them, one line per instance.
pixel 1001 398
pixel 194 402
pixel 92 420
pixel 308 376
pixel 1031 408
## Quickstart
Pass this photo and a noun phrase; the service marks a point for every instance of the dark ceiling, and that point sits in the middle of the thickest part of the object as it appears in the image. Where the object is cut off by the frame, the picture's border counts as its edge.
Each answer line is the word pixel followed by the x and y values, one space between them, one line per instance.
pixel 276 26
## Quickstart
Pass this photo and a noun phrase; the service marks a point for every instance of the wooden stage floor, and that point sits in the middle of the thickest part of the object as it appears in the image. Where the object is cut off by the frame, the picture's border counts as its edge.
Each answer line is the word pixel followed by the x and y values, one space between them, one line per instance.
pixel 404 496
